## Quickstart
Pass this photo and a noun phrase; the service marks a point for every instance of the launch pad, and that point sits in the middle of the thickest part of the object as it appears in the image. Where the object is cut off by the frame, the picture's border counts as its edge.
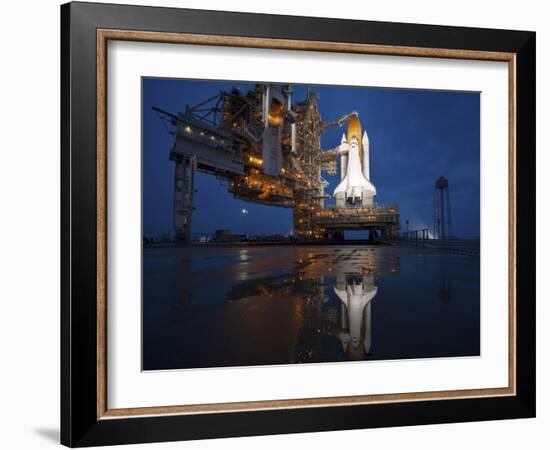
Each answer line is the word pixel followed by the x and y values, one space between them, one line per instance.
pixel 267 150
pixel 382 221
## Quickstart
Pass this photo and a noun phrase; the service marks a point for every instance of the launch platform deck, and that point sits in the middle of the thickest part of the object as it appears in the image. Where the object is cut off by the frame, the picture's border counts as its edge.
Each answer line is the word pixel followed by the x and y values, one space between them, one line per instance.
pixel 382 218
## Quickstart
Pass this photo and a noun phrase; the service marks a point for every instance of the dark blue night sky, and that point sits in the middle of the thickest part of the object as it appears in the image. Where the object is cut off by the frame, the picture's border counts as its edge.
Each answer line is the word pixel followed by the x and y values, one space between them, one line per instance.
pixel 415 137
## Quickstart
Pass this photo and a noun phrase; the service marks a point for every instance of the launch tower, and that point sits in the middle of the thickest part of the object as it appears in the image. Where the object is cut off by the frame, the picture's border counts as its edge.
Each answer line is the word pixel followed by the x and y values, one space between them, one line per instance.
pixel 267 149
pixel 442 209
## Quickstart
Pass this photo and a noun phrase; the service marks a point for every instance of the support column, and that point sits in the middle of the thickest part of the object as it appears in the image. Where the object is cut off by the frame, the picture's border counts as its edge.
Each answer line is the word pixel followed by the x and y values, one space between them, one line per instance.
pixel 367 199
pixel 183 198
pixel 441 216
pixel 341 200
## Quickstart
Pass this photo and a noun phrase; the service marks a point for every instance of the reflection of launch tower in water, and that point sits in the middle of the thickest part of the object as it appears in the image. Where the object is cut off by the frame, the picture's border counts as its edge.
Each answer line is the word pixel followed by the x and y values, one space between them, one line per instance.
pixel 332 304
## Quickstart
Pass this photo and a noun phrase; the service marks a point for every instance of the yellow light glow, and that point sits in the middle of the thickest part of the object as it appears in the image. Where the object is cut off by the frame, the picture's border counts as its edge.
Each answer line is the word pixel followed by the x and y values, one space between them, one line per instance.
pixel 276 114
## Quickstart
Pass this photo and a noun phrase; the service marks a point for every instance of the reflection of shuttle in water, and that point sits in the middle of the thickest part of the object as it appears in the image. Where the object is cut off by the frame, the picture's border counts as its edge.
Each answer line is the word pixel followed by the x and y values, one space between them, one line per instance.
pixel 356 293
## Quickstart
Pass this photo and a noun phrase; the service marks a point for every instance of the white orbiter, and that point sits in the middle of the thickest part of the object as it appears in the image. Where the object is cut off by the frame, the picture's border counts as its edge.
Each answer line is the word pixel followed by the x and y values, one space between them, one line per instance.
pixel 355 189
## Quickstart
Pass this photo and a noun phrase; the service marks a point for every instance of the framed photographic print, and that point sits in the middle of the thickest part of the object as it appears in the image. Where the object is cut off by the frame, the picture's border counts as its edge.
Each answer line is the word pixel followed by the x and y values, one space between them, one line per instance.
pixel 276 224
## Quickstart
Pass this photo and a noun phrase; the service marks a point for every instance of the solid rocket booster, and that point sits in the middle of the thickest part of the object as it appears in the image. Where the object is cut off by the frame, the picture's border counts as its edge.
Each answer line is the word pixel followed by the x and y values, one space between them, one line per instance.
pixel 355 189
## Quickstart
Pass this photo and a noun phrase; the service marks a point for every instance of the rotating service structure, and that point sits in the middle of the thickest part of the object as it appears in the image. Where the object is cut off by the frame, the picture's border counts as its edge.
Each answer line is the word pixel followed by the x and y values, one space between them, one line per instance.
pixel 267 149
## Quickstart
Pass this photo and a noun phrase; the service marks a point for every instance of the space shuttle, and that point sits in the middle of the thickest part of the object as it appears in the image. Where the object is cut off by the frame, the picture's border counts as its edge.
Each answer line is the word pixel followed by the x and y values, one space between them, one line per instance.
pixel 355 188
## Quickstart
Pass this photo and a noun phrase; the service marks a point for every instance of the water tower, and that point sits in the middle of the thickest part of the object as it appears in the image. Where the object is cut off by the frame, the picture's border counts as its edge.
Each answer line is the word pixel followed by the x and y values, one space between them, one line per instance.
pixel 442 209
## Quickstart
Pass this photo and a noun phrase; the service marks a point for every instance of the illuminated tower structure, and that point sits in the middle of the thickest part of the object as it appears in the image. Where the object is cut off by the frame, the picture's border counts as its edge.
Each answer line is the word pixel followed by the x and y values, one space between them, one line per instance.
pixel 442 209
pixel 266 149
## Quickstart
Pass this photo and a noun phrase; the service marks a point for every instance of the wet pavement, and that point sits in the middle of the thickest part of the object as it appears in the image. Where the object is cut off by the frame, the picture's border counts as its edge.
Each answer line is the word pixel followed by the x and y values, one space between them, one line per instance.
pixel 254 305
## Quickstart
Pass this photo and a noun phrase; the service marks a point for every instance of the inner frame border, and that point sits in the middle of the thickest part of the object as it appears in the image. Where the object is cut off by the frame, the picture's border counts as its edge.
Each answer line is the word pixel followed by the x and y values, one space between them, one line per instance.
pixel 103 36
